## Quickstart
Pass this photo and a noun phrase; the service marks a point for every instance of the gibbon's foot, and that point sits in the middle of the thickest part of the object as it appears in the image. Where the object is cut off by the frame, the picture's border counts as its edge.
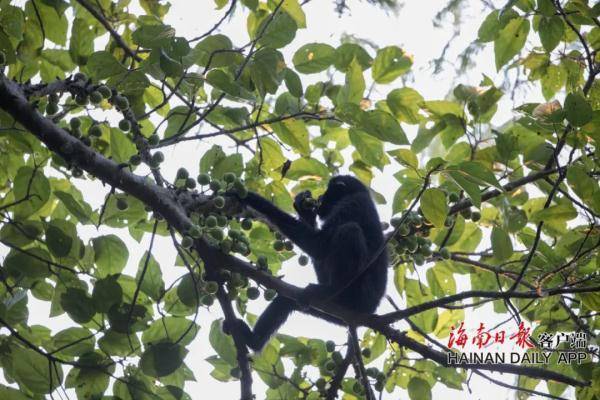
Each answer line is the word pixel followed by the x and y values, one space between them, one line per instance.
pixel 309 294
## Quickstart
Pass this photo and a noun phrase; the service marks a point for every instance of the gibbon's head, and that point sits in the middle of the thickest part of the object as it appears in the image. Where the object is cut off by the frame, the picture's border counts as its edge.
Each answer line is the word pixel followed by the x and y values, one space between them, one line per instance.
pixel 339 187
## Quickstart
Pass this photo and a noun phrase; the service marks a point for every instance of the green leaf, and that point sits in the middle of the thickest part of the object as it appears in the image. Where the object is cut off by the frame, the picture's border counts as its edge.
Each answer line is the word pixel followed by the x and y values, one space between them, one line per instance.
pixel 152 284
pixel 418 293
pixel 121 147
pixel 478 173
pixel 294 133
pixel 354 87
pixel 162 359
pixel 313 57
pixel 222 343
pixel 74 341
pixel 489 29
pixel 307 167
pixel 219 79
pixel 435 206
pixel 294 9
pixel 469 187
pixel 78 305
pixel 510 41
pixel 102 65
pixel 32 189
pixel 501 244
pixel 153 36
pixel 30 263
pixel 292 82
pixel 551 31
pixel 370 148
pixel 556 213
pixel 266 70
pixel 33 371
pixel 110 254
pixel 578 110
pixel 404 103
pixel 278 31
pixel 179 119
pixel 390 63
pixel 81 45
pixel 418 389
pixel 383 126
pixel 214 51
pixel 180 330
pixel 107 292
pixel 60 237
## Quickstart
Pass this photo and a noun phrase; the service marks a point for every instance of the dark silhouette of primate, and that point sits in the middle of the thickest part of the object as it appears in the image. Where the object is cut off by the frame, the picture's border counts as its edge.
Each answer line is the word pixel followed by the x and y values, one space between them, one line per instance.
pixel 349 238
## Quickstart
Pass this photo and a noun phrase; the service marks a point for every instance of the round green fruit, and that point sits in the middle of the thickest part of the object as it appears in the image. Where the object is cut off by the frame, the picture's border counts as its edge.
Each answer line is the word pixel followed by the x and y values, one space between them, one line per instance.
pixel 208 300
pixel 81 99
pixel 278 245
pixel 95 131
pixel 252 293
pixel 187 242
pixel 246 224
pixel 125 125
pixel 51 108
pixel 211 287
pixel 203 179
pixel 194 231
pixel 121 102
pixel 135 159
pixel 190 183
pixel 153 140
pixel 366 353
pixel 303 260
pixel 229 177
pixel 269 294
pixel 475 216
pixel 182 173
pixel 80 76
pixel 211 221
pixel 75 123
pixel 219 201
pixel 122 204
pixel 104 91
pixel 96 97
pixel 330 346
pixel 215 186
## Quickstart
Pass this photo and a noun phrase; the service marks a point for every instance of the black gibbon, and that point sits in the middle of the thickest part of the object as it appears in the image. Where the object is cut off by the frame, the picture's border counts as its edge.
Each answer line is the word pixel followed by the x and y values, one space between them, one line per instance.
pixel 349 238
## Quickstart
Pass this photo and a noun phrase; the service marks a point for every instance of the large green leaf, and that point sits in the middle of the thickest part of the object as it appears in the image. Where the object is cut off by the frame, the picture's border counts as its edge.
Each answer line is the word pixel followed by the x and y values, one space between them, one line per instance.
pixel 313 57
pixel 510 41
pixel 390 63
pixel 110 254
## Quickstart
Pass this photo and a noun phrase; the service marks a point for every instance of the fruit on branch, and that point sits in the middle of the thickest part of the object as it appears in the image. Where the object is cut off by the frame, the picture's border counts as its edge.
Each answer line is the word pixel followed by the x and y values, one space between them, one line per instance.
pixel 475 216
pixel 203 179
pixel 246 224
pixel 135 160
pixel 96 97
pixel 105 91
pixel 278 245
pixel 153 140
pixel 303 260
pixel 51 108
pixel 211 221
pixel 122 204
pixel 269 294
pixel 81 100
pixel 215 186
pixel 95 130
pixel 187 242
pixel 219 201
pixel 253 293
pixel 121 102
pixel 125 125
pixel 330 346
pixel 182 173
pixel 75 123
pixel 194 231
pixel 190 183
pixel 80 76
pixel 229 177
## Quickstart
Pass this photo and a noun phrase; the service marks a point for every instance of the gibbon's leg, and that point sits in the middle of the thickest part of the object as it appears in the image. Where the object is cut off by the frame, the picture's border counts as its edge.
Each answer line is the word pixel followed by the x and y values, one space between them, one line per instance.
pixel 268 323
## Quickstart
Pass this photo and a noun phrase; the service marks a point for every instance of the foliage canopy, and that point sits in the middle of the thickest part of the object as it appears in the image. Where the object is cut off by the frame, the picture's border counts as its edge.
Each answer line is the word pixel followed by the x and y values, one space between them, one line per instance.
pixel 90 96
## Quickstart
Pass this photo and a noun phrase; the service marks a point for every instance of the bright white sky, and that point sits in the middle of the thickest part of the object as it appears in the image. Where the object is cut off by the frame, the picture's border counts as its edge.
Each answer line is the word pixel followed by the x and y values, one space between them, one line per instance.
pixel 411 29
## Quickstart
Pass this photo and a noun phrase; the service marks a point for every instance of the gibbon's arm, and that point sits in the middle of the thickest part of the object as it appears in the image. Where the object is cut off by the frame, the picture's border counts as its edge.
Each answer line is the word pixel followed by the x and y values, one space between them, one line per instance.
pixel 297 230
